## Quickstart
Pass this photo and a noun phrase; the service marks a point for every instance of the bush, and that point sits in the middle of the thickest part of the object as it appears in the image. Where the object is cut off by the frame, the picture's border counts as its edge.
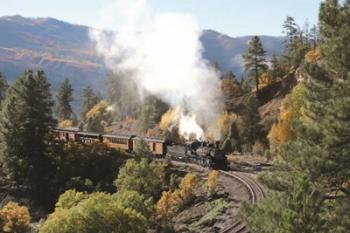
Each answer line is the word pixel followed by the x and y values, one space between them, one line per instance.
pixel 142 149
pixel 136 201
pixel 84 167
pixel 146 177
pixel 70 199
pixel 15 218
pixel 100 212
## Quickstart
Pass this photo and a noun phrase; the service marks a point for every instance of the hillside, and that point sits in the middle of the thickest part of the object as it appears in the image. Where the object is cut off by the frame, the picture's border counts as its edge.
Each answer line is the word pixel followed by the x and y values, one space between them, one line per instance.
pixel 228 51
pixel 65 50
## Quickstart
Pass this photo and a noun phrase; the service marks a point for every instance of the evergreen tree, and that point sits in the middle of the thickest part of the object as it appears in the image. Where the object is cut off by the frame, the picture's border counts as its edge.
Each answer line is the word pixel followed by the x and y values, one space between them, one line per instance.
pixel 254 60
pixel 251 119
pixel 151 113
pixel 232 141
pixel 296 46
pixel 25 124
pixel 89 100
pixel 335 34
pixel 291 29
pixel 229 86
pixel 123 94
pixel 314 36
pixel 277 70
pixel 142 149
pixel 245 86
pixel 64 99
pixel 310 182
pixel 3 87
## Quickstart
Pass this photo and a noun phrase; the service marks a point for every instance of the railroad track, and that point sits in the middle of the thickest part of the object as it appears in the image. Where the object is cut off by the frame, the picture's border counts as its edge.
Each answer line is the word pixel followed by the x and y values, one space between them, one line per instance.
pixel 255 190
pixel 256 193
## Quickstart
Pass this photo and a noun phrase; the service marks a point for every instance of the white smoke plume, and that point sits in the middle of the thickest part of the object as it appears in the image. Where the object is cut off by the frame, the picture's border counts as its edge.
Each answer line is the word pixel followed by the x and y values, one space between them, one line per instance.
pixel 163 54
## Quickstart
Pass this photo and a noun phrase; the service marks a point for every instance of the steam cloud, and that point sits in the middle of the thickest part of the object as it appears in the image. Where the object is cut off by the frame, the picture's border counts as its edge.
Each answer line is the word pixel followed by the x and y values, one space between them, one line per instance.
pixel 163 54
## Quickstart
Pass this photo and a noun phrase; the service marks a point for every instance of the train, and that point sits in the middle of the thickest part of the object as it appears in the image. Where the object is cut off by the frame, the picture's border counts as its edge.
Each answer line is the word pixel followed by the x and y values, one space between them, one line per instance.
pixel 202 153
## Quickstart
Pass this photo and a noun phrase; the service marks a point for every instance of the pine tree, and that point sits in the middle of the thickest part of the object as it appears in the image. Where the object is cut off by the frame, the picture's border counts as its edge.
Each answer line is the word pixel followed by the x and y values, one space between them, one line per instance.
pixel 232 141
pixel 229 86
pixel 335 34
pixel 251 119
pixel 311 180
pixel 151 113
pixel 121 90
pixel 89 100
pixel 245 86
pixel 296 45
pixel 64 100
pixel 291 29
pixel 277 70
pixel 314 36
pixel 25 124
pixel 3 87
pixel 254 60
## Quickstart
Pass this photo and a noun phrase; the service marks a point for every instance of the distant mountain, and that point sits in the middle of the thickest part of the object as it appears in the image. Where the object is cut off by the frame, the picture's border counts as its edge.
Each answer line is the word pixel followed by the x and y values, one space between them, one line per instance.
pixel 228 51
pixel 61 49
pixel 65 50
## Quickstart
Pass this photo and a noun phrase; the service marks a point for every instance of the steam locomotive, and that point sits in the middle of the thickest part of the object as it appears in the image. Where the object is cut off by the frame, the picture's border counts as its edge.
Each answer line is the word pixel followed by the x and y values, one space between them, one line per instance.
pixel 201 153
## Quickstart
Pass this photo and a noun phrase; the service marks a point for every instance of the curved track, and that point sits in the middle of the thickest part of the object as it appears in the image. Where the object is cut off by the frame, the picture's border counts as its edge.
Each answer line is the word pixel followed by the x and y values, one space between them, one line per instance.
pixel 255 190
pixel 256 193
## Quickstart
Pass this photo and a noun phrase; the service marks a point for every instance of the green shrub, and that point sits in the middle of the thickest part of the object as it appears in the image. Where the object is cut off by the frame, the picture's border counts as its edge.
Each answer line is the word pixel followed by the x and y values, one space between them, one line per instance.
pixel 100 212
pixel 146 177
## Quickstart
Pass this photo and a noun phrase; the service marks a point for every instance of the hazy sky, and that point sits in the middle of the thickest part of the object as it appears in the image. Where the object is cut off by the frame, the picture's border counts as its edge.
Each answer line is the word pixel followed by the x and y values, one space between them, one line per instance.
pixel 233 17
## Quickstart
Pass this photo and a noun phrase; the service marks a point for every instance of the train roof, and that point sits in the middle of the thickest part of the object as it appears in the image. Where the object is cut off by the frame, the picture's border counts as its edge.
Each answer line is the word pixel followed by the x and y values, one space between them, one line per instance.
pixel 118 136
pixel 81 133
pixel 69 129
pixel 148 139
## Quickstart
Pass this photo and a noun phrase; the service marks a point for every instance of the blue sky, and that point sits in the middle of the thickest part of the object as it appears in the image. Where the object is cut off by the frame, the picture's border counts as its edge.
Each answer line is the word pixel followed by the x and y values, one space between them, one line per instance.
pixel 233 17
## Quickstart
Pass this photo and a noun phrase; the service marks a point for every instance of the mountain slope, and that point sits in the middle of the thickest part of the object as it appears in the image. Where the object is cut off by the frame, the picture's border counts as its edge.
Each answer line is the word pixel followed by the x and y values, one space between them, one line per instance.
pixel 61 49
pixel 65 50
pixel 228 51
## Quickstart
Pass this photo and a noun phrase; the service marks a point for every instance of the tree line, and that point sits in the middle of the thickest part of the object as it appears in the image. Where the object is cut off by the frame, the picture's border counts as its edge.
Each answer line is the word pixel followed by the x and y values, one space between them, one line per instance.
pixel 309 185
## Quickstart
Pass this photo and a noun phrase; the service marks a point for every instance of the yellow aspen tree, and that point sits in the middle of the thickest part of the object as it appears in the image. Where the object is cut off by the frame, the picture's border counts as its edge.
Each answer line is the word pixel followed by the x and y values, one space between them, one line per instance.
pixel 187 187
pixel 15 218
pixel 65 124
pixel 165 207
pixel 212 181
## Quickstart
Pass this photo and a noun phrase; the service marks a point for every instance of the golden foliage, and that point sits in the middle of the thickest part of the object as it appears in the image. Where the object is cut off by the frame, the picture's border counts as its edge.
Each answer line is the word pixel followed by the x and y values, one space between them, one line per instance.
pixel 220 127
pixel 188 187
pixel 265 79
pixel 167 204
pixel 168 118
pixel 282 131
pixel 313 55
pixel 230 87
pixel 65 124
pixel 97 110
pixel 170 202
pixel 212 181
pixel 225 121
pixel 15 218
